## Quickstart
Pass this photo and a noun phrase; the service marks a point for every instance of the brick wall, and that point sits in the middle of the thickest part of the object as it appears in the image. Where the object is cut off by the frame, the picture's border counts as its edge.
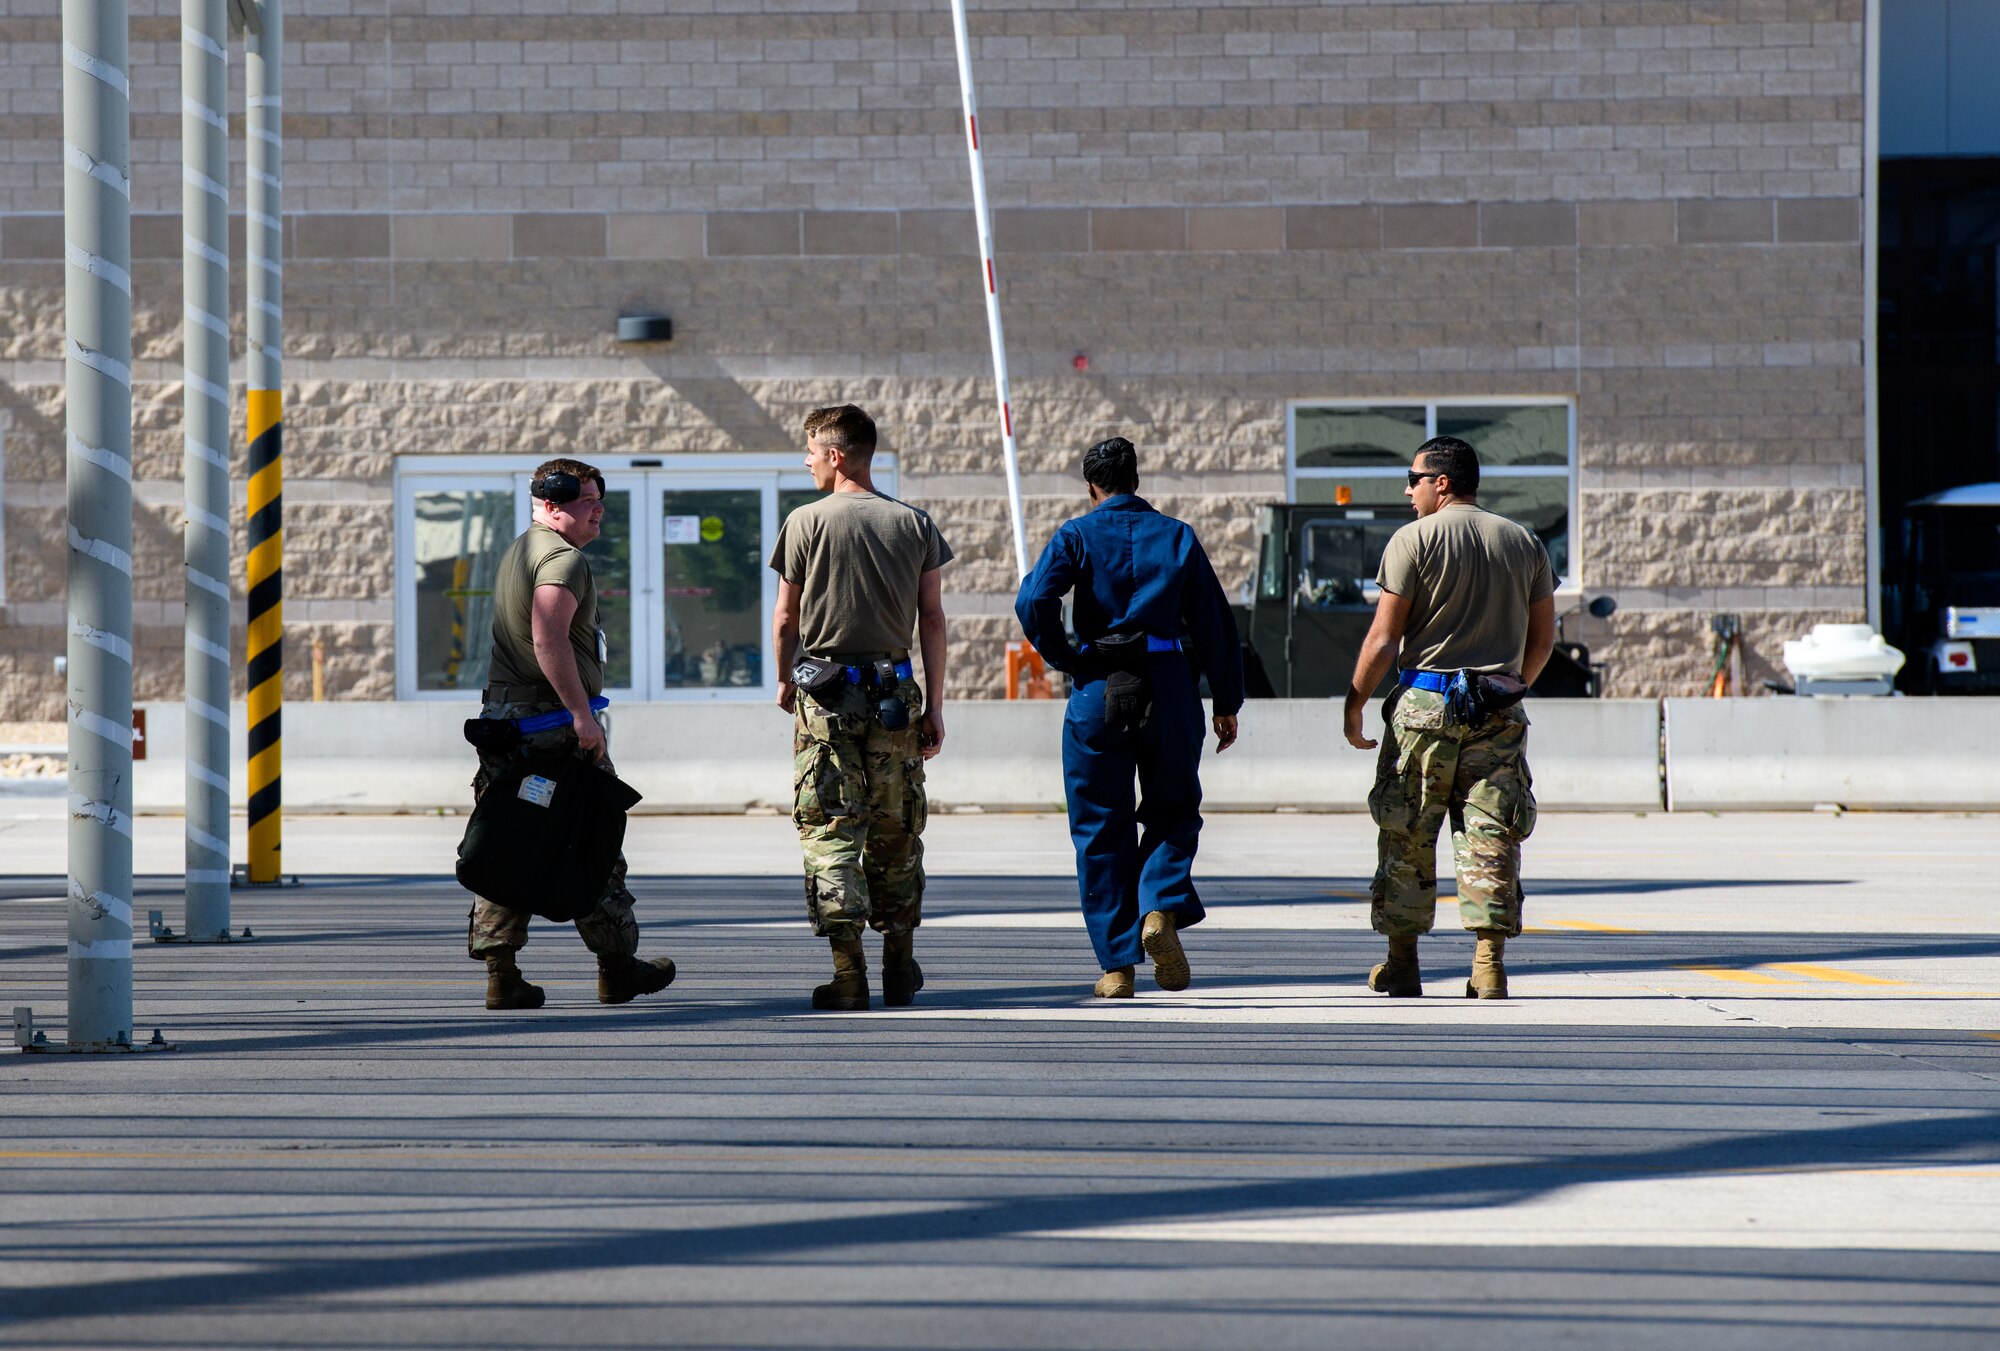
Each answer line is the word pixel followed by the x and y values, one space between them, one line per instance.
pixel 1648 206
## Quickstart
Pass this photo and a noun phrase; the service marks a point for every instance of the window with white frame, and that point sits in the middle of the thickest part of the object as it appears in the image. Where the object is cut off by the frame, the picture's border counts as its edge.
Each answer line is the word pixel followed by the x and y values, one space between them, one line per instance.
pixel 1527 456
pixel 685 597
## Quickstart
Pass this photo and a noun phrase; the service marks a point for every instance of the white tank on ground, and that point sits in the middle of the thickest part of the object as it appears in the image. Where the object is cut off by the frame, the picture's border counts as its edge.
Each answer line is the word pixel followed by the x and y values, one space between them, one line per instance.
pixel 1842 659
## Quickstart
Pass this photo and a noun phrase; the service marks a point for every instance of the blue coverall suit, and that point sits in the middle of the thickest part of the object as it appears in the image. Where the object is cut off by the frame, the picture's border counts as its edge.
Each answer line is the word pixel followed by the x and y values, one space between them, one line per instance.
pixel 1134 571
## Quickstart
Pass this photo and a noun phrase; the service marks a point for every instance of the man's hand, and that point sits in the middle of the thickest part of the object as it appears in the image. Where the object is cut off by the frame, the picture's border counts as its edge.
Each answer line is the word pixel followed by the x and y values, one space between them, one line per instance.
pixel 1356 702
pixel 1225 732
pixel 589 735
pixel 787 695
pixel 930 733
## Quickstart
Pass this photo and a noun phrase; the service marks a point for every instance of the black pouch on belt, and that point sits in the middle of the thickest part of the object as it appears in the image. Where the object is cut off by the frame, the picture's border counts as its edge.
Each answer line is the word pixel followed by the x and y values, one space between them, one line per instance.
pixel 1472 698
pixel 1128 695
pixel 497 735
pixel 818 677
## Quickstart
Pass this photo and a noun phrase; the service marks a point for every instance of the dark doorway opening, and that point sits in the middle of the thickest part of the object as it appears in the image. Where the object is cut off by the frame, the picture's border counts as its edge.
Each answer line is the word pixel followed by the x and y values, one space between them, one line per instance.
pixel 1939 329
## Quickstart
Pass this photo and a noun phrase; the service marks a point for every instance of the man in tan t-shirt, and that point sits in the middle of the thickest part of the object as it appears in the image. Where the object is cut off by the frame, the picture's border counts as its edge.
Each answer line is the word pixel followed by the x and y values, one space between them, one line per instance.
pixel 857 571
pixel 1465 595
pixel 548 657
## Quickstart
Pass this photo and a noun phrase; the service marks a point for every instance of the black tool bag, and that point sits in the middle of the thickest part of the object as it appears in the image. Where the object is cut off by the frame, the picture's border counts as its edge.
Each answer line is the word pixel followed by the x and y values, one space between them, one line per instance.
pixel 545 835
pixel 1128 694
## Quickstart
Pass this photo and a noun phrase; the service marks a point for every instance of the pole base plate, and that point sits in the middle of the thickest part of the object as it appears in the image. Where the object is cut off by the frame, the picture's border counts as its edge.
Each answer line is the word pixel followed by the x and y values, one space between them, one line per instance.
pixel 239 876
pixel 33 1042
pixel 162 932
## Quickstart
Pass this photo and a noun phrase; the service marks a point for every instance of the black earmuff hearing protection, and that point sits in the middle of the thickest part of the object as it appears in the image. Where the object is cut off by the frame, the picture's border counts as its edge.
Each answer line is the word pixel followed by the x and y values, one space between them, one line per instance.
pixel 558 488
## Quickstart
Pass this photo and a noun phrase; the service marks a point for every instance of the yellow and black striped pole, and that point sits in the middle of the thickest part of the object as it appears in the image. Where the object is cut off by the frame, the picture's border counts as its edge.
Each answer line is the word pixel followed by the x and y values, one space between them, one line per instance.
pixel 264 292
pixel 266 641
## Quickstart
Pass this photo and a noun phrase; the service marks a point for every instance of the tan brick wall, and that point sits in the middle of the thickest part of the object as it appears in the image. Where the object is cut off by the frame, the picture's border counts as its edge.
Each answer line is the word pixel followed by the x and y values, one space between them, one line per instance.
pixel 1649 207
pixel 1169 102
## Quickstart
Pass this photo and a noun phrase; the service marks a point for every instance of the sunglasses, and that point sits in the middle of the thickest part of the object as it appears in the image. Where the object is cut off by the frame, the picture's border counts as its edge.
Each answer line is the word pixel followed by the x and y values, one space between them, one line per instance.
pixel 1416 478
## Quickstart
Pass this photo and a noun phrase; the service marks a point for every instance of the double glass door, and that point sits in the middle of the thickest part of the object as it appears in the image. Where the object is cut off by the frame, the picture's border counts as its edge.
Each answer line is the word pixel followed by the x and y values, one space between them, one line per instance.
pixel 685 593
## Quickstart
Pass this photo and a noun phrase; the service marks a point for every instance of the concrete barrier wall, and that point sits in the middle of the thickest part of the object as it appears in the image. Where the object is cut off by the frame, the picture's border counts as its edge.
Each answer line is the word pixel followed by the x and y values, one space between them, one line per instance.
pixel 403 757
pixel 1788 754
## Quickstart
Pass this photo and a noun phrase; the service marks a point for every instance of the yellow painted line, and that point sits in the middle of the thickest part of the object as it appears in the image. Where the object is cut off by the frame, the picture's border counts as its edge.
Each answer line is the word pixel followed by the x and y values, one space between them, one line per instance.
pixel 1832 973
pixel 1739 976
pixel 1589 927
pixel 1990 1036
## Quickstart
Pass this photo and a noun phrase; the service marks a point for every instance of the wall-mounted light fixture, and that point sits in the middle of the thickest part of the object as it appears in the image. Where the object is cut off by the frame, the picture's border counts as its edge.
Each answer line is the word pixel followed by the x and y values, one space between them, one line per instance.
pixel 645 328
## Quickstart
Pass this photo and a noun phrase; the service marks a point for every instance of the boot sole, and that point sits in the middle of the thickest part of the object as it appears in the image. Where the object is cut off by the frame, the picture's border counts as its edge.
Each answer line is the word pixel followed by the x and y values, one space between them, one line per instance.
pixel 1474 992
pixel 840 1005
pixel 517 1004
pixel 1170 964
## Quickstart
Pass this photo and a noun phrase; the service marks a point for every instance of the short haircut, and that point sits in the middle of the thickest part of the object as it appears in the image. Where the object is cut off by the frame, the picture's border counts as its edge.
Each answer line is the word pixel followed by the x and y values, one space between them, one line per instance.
pixel 1454 459
pixel 577 468
pixel 1112 466
pixel 844 428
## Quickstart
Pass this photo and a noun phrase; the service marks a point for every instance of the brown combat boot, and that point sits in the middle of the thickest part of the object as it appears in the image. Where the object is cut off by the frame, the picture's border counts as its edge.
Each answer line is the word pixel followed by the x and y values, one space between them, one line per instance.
pixel 620 980
pixel 1161 938
pixel 1489 977
pixel 901 976
pixel 505 987
pixel 1399 977
pixel 1115 984
pixel 848 990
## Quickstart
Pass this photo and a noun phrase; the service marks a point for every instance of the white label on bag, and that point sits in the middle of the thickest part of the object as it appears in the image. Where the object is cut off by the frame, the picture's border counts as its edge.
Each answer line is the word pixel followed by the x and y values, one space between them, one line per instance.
pixel 537 790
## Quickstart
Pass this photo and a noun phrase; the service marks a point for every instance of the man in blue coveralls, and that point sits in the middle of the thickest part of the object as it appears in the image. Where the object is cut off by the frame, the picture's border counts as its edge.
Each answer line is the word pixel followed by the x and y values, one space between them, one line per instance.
pixel 1150 619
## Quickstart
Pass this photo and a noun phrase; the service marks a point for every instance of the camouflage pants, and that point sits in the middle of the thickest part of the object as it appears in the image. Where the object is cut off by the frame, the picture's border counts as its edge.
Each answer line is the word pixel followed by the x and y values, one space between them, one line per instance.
pixel 858 801
pixel 1476 775
pixel 610 930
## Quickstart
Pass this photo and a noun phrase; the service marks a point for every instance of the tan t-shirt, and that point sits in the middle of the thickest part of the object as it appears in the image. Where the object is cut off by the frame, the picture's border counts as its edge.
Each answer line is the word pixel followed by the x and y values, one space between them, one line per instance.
pixel 541 557
pixel 856 558
pixel 1470 577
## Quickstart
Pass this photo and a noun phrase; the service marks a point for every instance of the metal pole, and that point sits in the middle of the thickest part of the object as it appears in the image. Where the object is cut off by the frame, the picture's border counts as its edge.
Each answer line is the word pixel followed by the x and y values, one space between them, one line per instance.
pixel 264 162
pixel 995 336
pixel 1871 323
pixel 97 246
pixel 205 288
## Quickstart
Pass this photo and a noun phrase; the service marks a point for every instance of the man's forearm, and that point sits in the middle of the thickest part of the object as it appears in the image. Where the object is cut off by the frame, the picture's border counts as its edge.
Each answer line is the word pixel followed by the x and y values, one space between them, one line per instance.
pixel 1377 656
pixel 931 642
pixel 785 645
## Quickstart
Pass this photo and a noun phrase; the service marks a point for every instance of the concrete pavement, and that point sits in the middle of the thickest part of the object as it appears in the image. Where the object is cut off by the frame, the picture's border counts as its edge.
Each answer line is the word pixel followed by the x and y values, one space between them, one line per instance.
pixel 1748 1094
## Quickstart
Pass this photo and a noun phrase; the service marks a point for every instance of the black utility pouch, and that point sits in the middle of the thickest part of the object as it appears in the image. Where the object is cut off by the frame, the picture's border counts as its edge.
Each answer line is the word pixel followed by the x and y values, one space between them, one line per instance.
pixel 496 735
pixel 1472 698
pixel 1128 695
pixel 818 677
pixel 890 710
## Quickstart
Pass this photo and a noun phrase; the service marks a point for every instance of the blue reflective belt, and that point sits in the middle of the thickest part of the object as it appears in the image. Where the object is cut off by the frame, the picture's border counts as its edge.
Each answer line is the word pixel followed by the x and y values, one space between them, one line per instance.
pixel 904 671
pixel 543 722
pixel 1152 645
pixel 1437 682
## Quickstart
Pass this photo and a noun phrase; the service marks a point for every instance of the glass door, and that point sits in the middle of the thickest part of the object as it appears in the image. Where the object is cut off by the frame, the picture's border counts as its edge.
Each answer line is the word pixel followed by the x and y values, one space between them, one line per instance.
pixel 711 539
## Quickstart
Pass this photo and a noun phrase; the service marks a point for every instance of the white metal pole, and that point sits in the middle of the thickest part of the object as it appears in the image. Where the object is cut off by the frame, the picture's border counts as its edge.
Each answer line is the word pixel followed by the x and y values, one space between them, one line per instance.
pixel 205 338
pixel 994 333
pixel 1871 323
pixel 97 289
